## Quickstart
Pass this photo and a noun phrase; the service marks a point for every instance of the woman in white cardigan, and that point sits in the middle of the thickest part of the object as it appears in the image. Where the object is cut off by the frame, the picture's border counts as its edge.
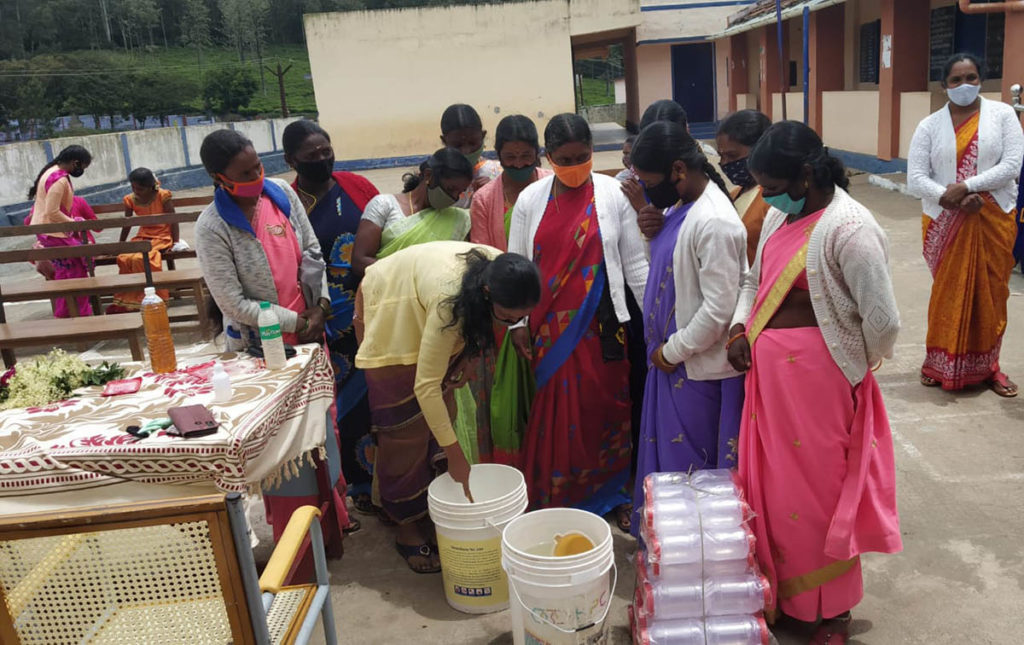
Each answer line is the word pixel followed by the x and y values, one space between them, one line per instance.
pixel 580 230
pixel 964 163
pixel 693 397
pixel 815 314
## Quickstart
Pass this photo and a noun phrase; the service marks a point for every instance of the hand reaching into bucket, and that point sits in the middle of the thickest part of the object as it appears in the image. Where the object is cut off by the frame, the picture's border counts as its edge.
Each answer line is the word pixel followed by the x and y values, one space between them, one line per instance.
pixel 458 467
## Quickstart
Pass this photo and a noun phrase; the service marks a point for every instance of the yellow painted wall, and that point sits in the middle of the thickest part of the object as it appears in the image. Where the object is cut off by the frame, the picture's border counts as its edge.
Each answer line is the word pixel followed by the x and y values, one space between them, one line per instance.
pixel 383 78
pixel 654 63
pixel 794 106
pixel 592 16
pixel 683 22
pixel 851 121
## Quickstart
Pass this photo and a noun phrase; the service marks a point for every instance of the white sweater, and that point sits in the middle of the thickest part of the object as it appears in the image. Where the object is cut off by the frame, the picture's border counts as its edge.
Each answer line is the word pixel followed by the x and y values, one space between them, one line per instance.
pixel 931 164
pixel 850 284
pixel 625 252
pixel 709 265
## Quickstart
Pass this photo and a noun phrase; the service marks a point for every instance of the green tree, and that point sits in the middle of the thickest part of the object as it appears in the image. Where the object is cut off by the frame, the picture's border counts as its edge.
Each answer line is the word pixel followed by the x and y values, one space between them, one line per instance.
pixel 136 19
pixel 229 89
pixel 195 28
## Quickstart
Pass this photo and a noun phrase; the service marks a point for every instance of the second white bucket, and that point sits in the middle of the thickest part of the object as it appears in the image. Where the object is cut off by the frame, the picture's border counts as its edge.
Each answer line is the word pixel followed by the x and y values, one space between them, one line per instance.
pixel 558 600
pixel 469 534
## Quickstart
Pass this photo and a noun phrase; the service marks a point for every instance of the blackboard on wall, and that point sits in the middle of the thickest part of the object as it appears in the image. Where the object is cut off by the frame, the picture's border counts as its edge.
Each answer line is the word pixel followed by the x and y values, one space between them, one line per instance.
pixel 941 40
pixel 870 42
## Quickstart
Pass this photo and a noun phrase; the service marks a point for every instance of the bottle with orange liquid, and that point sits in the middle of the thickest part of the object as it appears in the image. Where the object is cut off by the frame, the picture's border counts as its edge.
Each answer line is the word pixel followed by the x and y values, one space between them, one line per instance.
pixel 158 333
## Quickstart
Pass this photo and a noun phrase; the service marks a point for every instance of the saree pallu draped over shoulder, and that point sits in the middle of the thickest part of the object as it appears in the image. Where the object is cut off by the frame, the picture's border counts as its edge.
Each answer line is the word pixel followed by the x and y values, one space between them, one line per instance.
pixel 970 257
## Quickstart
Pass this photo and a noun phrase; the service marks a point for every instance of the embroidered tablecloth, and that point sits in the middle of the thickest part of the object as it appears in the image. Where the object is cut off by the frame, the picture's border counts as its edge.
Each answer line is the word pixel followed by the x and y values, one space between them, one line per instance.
pixel 80 446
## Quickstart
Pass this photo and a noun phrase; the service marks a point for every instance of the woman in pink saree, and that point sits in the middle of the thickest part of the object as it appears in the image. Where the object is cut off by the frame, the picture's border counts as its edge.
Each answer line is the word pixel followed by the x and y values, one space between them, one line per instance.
pixel 54 201
pixel 815 315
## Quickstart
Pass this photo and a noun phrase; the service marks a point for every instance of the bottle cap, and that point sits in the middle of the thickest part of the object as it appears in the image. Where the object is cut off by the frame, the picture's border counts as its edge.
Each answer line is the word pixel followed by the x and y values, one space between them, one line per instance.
pixel 264 305
pixel 150 291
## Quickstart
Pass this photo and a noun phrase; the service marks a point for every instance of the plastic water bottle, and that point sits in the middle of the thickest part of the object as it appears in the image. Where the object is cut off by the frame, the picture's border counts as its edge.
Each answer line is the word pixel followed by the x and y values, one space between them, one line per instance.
pixel 733 595
pixel 221 384
pixel 270 338
pixel 158 333
pixel 718 630
pixel 654 571
pixel 692 547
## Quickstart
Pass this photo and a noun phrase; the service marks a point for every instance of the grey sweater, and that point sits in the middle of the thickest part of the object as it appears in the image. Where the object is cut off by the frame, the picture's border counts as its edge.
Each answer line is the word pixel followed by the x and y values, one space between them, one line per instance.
pixel 237 272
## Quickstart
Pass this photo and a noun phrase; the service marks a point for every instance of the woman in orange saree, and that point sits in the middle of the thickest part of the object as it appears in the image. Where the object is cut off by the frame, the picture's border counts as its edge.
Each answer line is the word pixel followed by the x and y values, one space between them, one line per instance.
pixel 968 231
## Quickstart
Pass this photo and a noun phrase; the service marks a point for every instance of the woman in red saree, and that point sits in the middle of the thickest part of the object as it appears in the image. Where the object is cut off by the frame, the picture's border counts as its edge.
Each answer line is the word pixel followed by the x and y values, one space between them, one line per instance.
pixel 815 451
pixel 580 230
pixel 964 163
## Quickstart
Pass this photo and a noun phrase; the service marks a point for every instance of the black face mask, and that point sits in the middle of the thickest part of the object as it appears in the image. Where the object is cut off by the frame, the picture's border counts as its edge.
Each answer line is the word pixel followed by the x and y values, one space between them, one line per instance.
pixel 664 194
pixel 315 171
pixel 77 172
pixel 738 173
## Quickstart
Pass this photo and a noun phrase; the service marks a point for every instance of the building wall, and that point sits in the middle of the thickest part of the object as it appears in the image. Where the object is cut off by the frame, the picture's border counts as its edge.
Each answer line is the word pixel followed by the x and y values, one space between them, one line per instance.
pixel 517 61
pixel 794 106
pixel 677 19
pixel 654 63
pixel 591 16
pixel 721 78
pixel 851 121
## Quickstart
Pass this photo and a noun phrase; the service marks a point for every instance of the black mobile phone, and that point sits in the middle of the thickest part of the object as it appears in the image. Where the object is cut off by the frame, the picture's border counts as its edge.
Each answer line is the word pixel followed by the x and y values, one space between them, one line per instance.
pixel 257 351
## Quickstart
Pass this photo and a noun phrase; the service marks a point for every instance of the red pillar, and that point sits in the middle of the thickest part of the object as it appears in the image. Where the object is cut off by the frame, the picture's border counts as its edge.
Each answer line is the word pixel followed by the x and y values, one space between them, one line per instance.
pixel 769 61
pixel 739 80
pixel 1013 52
pixel 908 69
pixel 826 41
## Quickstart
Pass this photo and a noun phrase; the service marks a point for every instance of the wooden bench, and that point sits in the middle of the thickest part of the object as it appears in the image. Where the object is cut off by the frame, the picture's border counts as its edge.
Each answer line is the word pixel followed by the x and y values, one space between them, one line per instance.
pixel 167 256
pixel 59 331
pixel 98 327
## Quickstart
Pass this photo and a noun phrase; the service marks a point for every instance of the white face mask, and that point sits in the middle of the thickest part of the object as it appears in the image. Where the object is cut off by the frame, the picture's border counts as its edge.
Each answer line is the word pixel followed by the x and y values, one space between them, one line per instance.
pixel 963 95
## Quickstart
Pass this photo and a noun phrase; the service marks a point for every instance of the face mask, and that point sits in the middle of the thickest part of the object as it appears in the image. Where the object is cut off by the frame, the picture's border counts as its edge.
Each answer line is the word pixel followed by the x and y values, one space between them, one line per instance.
pixel 519 175
pixel 738 173
pixel 574 176
pixel 963 95
pixel 77 172
pixel 664 194
pixel 242 188
pixel 474 157
pixel 785 203
pixel 439 198
pixel 315 171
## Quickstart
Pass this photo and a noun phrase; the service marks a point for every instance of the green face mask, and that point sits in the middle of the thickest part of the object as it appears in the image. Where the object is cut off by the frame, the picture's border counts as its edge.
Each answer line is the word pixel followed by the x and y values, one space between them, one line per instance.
pixel 474 157
pixel 439 198
pixel 519 175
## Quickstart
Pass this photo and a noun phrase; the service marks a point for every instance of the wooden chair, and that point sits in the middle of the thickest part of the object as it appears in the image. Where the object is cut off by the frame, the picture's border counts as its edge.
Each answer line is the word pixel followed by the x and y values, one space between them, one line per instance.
pixel 168 571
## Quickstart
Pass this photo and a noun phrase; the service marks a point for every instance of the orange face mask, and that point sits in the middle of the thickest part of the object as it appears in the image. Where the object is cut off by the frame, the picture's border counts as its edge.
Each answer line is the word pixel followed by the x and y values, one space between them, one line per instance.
pixel 574 176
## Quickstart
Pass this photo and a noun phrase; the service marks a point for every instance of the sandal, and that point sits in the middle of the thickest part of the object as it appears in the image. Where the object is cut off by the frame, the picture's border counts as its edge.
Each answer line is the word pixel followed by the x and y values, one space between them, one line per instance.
pixel 384 518
pixel 624 517
pixel 364 504
pixel 1002 385
pixel 928 381
pixel 408 551
pixel 354 526
pixel 834 631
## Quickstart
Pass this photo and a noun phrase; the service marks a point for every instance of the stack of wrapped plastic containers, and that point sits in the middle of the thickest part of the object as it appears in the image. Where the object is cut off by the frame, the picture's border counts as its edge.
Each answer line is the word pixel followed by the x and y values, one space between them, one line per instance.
pixel 697 582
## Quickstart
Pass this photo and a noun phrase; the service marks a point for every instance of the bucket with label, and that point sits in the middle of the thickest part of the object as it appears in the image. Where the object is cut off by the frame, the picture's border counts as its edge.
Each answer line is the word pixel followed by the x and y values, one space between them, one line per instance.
pixel 469 534
pixel 561 577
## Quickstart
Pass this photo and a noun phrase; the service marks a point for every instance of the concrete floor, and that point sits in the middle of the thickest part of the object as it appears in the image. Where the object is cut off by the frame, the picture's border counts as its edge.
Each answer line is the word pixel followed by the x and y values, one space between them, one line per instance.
pixel 960 463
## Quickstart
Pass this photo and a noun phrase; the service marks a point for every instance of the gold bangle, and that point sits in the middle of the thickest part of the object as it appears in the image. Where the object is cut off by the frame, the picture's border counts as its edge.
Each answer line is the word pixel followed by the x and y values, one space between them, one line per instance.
pixel 734 338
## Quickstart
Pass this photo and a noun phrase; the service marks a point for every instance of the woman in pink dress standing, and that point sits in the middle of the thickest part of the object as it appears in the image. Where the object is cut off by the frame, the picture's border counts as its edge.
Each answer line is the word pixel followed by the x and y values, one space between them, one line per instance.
pixel 815 315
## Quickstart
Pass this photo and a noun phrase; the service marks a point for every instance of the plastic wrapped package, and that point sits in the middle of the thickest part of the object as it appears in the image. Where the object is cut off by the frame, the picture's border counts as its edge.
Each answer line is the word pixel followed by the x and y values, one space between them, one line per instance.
pixel 718 630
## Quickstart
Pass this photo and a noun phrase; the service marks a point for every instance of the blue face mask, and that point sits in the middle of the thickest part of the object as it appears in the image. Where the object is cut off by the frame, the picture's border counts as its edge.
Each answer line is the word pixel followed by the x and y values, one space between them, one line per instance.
pixel 785 203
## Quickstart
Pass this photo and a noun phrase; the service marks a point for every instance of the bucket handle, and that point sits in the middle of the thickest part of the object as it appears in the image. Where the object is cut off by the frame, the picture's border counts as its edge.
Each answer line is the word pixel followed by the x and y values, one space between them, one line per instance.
pixel 615 580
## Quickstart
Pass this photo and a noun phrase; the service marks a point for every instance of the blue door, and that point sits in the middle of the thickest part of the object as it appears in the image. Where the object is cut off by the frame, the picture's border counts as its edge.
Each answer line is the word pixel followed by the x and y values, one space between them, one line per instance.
pixel 693 80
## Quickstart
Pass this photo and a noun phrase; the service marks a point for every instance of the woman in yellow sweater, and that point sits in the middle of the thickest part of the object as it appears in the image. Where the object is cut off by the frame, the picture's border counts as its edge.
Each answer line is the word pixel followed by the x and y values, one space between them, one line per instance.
pixel 421 314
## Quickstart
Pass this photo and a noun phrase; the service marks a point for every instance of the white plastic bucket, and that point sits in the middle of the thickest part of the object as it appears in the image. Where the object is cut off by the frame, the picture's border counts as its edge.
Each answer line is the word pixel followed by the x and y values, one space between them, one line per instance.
pixel 469 534
pixel 559 600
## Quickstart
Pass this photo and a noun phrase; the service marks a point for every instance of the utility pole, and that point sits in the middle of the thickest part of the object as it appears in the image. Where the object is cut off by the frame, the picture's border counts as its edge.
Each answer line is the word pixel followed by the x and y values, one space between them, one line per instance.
pixel 279 73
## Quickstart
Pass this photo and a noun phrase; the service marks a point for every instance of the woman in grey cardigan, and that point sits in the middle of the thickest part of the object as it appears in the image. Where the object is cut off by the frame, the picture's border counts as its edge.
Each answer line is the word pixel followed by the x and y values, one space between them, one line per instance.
pixel 255 243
